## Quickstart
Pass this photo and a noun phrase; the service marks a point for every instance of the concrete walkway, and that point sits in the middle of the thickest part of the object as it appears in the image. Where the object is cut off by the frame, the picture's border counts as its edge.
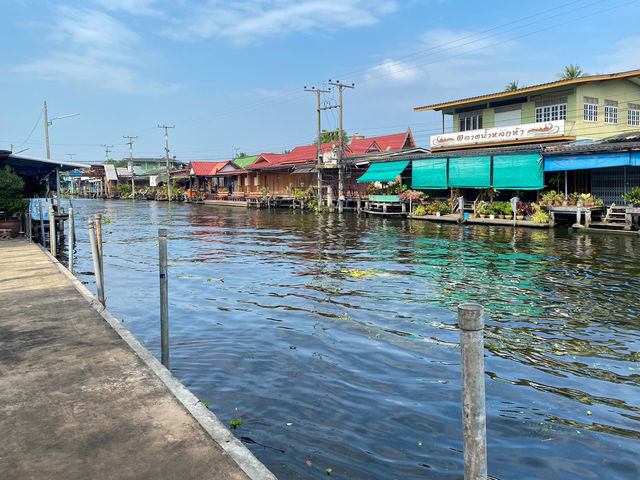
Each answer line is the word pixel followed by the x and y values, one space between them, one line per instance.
pixel 80 398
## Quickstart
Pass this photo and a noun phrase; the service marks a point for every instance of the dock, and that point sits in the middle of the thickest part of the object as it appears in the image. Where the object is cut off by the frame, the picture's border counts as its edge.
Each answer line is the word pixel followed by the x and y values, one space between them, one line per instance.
pixel 81 398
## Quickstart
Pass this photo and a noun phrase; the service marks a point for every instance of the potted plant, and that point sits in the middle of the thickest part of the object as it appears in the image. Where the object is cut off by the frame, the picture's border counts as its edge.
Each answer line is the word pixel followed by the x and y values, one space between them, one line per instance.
pixel 483 209
pixel 633 197
pixel 549 197
pixel 420 211
pixel 11 202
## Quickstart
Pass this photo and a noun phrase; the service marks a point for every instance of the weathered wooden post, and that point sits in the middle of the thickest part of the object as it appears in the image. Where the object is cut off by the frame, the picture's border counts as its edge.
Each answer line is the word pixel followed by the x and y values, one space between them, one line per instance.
pixel 44 243
pixel 474 418
pixel 52 231
pixel 71 239
pixel 28 225
pixel 96 261
pixel 99 245
pixel 461 209
pixel 164 297
pixel 359 204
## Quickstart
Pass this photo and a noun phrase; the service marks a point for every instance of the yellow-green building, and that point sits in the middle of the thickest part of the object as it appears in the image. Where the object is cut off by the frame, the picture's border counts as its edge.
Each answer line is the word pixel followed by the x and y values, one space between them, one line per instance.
pixel 591 107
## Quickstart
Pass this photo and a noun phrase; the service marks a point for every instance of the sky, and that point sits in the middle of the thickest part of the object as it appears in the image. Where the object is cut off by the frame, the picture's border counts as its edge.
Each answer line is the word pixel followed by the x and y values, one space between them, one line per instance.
pixel 230 75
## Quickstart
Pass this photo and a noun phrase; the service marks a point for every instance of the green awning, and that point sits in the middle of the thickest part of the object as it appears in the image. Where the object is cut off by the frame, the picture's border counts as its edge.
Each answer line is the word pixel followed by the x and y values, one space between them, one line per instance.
pixel 383 172
pixel 470 172
pixel 518 172
pixel 429 174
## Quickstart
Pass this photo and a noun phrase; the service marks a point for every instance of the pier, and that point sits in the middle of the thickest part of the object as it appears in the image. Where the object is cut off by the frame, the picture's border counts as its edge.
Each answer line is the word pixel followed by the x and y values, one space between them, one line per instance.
pixel 81 398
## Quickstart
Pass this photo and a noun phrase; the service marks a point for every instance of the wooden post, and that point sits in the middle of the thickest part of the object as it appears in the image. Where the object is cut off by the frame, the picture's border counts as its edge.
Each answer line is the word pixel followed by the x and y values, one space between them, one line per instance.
pixel 70 239
pixel 359 204
pixel 52 231
pixel 474 417
pixel 44 243
pixel 96 261
pixel 330 198
pixel 164 297
pixel 461 208
pixel 100 252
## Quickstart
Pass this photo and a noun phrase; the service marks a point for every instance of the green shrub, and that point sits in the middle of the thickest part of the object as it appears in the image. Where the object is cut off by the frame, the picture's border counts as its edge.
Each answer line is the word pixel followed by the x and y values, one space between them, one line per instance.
pixel 11 201
pixel 540 216
pixel 420 210
pixel 633 196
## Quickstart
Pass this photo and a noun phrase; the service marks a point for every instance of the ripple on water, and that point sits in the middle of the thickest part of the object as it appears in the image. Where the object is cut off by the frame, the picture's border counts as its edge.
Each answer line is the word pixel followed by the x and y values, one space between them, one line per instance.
pixel 334 339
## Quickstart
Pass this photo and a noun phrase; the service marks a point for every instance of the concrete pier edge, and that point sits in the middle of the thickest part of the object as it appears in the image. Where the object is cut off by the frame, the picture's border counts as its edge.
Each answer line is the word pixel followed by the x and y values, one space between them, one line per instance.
pixel 205 417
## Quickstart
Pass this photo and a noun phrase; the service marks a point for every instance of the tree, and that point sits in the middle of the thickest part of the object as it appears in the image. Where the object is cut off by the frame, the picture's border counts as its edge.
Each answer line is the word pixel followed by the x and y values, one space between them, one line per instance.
pixel 332 136
pixel 242 155
pixel 571 71
pixel 511 86
pixel 117 163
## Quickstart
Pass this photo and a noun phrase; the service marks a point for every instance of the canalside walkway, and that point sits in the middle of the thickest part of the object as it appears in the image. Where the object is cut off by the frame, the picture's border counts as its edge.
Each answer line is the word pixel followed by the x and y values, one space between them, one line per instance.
pixel 80 398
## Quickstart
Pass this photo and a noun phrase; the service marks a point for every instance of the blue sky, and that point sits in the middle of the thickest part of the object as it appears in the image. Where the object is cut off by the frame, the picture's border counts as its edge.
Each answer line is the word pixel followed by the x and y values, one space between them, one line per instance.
pixel 230 74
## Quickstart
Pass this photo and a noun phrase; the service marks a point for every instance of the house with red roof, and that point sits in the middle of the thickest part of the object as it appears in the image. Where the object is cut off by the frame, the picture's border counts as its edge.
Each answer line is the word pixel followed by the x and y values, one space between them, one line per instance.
pixel 208 177
pixel 282 173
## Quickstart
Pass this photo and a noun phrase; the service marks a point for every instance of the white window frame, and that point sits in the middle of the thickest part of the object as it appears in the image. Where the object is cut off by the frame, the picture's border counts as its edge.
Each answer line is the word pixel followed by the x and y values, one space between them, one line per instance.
pixel 552 109
pixel 590 109
pixel 611 112
pixel 633 114
pixel 470 121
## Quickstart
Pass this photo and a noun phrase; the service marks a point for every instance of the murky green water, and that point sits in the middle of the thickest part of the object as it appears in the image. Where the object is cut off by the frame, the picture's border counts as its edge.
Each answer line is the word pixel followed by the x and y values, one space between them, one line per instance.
pixel 335 341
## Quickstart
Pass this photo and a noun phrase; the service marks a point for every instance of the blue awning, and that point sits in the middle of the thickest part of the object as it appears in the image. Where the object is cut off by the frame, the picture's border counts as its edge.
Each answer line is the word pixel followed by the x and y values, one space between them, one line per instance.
pixel 591 160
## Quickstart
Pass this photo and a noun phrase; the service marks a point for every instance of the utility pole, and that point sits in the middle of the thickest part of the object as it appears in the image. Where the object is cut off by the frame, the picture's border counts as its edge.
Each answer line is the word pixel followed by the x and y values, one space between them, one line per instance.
pixel 341 148
pixel 317 91
pixel 46 136
pixel 107 150
pixel 166 141
pixel 133 185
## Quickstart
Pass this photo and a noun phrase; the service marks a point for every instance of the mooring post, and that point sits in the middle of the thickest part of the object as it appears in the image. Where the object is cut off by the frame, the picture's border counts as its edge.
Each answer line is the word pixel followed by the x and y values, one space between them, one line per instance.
pixel 96 260
pixel 71 238
pixel 28 225
pixel 44 243
pixel 164 297
pixel 99 245
pixel 52 231
pixel 474 419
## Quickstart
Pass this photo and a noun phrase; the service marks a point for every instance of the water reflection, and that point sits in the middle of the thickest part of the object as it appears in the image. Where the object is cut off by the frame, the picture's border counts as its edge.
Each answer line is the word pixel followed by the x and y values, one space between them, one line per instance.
pixel 334 338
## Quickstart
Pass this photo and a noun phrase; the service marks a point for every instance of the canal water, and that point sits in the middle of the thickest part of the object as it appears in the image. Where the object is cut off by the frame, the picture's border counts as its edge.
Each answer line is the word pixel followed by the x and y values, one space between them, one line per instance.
pixel 334 338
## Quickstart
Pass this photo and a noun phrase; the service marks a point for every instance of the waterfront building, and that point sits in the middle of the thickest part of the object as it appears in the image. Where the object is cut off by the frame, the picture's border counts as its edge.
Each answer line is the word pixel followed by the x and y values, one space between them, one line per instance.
pixel 519 140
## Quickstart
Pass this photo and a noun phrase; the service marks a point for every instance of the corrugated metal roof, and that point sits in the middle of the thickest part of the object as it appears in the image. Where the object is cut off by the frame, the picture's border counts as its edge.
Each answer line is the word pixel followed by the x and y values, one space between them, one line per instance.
pixel 533 88
pixel 110 171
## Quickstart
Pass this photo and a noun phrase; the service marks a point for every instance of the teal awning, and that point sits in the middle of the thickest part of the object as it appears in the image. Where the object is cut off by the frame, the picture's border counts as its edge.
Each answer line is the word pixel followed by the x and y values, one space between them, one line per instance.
pixel 429 174
pixel 383 172
pixel 470 172
pixel 518 172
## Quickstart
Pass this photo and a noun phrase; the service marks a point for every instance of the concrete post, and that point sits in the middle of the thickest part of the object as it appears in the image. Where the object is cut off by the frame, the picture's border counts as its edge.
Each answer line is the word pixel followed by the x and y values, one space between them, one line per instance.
pixel 96 261
pixel 52 231
pixel 164 297
pixel 461 209
pixel 71 239
pixel 471 321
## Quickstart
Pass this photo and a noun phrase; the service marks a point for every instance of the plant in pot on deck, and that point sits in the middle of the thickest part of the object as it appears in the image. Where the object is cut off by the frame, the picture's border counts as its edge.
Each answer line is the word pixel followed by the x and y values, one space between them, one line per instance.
pixel 11 202
pixel 483 209
pixel 632 197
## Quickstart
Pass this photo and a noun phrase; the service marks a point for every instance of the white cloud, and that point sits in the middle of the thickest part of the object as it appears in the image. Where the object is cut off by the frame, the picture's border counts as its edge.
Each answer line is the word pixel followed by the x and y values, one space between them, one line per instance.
pixel 135 7
pixel 247 21
pixel 393 71
pixel 91 47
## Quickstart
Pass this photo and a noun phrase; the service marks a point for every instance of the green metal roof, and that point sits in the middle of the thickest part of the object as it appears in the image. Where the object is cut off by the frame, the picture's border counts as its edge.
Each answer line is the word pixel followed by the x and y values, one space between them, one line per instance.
pixel 244 161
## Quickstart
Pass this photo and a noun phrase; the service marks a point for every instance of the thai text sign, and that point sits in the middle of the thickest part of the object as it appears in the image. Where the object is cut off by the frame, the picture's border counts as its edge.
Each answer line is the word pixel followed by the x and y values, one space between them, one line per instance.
pixel 511 133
